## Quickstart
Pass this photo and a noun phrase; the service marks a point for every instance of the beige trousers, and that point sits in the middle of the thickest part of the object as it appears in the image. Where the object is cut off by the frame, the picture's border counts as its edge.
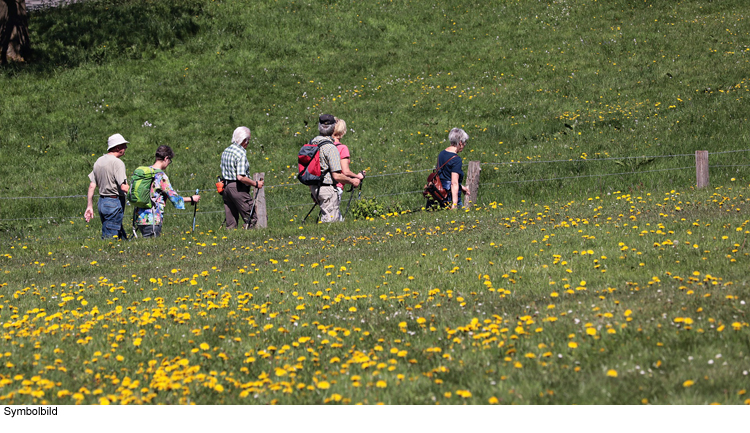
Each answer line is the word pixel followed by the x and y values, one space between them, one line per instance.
pixel 328 200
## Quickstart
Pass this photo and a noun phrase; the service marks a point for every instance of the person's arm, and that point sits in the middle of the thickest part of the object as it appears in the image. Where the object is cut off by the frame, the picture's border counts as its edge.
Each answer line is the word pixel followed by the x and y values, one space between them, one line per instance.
pixel 347 172
pixel 342 178
pixel 123 176
pixel 89 213
pixel 249 182
pixel 454 188
pixel 165 188
pixel 192 199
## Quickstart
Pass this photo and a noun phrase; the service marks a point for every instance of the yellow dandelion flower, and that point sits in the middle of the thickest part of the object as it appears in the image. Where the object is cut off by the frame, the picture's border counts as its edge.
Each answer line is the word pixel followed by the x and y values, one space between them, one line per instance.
pixel 612 373
pixel 572 344
pixel 381 384
pixel 688 383
pixel 591 331
pixel 493 400
pixel 324 385
pixel 219 388
pixel 205 346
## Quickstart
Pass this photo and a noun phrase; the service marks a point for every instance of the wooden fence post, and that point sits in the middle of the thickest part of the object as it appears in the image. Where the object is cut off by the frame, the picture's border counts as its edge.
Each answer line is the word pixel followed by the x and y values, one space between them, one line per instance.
pixel 701 168
pixel 260 203
pixel 472 182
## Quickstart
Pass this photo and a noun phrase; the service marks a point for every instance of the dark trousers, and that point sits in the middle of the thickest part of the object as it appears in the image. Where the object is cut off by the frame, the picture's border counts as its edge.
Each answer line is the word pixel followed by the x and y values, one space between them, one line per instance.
pixel 150 231
pixel 238 202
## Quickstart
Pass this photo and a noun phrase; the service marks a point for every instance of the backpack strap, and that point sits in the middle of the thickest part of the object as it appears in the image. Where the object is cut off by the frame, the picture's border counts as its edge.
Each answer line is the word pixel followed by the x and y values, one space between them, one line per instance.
pixel 441 167
pixel 328 170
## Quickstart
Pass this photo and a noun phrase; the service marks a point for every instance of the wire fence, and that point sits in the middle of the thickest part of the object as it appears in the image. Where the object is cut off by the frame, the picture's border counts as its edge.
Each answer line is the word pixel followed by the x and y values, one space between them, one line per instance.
pixel 410 172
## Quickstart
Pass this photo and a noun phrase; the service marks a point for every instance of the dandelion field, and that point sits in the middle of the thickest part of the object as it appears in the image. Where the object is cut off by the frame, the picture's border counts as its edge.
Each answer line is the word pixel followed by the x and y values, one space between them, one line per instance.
pixel 616 300
pixel 593 288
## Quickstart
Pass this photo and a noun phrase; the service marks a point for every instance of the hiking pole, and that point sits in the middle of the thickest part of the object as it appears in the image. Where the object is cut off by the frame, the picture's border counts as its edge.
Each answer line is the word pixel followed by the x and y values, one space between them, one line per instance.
pixel 195 210
pixel 252 209
pixel 308 214
pixel 359 196
pixel 315 203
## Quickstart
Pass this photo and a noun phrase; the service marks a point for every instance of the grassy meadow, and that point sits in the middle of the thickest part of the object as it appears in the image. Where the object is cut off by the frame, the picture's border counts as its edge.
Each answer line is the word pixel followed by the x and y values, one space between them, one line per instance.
pixel 590 270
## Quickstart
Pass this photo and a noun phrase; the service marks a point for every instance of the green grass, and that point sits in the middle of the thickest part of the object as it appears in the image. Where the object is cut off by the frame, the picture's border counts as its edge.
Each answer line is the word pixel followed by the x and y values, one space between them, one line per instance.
pixel 433 304
pixel 527 80
pixel 588 84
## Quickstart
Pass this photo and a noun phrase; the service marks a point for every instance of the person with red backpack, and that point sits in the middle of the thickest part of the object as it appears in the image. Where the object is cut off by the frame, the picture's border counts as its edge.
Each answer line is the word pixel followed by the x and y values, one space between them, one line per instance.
pixel 320 169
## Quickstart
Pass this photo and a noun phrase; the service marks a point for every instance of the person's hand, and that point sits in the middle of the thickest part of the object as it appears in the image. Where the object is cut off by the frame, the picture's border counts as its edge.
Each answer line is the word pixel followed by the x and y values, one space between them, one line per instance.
pixel 466 190
pixel 355 182
pixel 196 198
pixel 259 184
pixel 361 175
pixel 88 214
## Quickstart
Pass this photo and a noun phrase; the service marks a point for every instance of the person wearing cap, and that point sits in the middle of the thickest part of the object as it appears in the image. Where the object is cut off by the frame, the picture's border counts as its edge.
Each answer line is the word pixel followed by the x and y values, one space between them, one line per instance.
pixel 326 195
pixel 149 221
pixel 110 176
pixel 235 169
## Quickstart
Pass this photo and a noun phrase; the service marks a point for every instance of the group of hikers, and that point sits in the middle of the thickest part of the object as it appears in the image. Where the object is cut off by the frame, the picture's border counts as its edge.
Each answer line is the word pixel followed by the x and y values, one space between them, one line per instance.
pixel 324 165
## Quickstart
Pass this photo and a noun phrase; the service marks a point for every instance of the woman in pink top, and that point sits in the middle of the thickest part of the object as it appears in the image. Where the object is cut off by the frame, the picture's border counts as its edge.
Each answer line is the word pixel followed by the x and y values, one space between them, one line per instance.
pixel 339 130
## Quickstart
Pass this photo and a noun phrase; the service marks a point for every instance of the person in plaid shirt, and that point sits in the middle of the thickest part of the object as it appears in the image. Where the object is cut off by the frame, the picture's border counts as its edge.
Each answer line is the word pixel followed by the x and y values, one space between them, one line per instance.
pixel 234 173
pixel 149 221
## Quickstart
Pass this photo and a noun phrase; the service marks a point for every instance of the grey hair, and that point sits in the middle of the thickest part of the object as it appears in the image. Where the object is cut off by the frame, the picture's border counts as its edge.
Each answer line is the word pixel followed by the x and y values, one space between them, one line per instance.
pixel 241 134
pixel 326 130
pixel 457 135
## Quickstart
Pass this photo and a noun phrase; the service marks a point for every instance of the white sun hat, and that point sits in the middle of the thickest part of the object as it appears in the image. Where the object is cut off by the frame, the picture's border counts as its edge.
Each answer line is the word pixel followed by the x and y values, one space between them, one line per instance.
pixel 116 140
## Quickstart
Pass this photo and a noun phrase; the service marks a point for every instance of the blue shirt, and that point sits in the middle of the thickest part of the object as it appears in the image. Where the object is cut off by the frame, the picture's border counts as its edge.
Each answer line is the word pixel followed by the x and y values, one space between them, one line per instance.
pixel 455 165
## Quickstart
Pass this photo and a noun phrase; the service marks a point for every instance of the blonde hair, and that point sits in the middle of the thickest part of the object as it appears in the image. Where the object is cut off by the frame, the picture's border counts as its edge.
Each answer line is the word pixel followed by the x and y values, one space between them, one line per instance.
pixel 340 128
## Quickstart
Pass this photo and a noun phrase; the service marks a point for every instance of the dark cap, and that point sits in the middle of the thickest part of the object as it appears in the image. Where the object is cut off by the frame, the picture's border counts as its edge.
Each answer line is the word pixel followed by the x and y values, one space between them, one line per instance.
pixel 327 119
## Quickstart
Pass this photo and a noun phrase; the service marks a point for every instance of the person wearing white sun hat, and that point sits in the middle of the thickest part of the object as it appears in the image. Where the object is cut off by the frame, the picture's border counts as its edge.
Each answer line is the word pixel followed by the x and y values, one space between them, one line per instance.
pixel 110 176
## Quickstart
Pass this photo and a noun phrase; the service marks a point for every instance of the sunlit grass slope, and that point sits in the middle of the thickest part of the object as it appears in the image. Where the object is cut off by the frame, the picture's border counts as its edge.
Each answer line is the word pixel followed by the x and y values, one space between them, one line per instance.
pixel 528 80
pixel 591 288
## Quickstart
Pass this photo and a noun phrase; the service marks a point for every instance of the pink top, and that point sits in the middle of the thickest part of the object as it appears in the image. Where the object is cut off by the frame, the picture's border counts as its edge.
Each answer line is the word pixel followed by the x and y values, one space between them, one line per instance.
pixel 343 153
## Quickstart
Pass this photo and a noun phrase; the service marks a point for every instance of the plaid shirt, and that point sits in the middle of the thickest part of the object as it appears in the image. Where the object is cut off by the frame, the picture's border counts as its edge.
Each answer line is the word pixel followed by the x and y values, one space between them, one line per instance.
pixel 234 162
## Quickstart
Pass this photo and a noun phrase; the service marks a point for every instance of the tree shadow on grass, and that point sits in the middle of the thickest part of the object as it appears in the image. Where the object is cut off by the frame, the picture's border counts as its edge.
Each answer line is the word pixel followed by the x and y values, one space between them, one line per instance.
pixel 96 31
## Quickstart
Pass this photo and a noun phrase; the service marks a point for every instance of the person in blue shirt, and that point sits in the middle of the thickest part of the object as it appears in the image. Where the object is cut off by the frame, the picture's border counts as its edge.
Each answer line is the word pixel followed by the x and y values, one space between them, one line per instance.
pixel 451 168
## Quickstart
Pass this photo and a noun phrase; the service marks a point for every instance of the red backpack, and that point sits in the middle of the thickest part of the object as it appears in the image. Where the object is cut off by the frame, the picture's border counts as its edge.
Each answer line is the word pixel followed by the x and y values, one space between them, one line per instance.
pixel 308 162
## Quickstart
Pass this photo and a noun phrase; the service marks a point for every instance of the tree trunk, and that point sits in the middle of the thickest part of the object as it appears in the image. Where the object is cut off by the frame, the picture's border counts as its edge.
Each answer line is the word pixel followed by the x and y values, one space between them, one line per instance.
pixel 14 31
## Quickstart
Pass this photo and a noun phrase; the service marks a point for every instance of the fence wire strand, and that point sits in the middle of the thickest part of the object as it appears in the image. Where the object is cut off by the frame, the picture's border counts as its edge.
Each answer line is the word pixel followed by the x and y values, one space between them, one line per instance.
pixel 422 171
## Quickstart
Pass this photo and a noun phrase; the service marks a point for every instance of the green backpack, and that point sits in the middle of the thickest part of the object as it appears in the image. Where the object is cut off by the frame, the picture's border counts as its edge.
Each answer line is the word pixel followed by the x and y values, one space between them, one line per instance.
pixel 139 194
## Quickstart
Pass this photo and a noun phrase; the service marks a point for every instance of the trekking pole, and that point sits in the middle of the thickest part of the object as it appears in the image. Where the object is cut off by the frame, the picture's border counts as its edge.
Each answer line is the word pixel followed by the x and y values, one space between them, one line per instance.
pixel 359 196
pixel 308 214
pixel 315 203
pixel 195 210
pixel 252 209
